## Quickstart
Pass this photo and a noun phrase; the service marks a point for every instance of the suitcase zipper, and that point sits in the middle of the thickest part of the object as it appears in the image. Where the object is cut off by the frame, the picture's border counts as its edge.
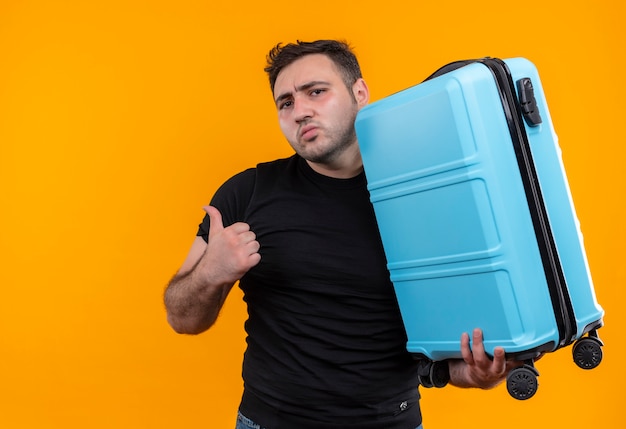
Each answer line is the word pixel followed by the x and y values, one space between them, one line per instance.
pixel 555 278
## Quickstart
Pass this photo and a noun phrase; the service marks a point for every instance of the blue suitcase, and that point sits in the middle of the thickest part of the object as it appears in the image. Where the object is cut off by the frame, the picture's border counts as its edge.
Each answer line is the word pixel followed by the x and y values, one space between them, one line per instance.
pixel 477 220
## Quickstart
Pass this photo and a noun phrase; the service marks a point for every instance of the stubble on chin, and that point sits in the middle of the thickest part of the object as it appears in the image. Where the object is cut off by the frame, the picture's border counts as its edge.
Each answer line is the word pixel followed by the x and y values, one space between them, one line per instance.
pixel 326 152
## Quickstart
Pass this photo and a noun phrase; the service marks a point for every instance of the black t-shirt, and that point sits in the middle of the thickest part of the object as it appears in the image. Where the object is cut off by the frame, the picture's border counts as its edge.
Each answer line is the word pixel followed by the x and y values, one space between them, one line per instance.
pixel 326 344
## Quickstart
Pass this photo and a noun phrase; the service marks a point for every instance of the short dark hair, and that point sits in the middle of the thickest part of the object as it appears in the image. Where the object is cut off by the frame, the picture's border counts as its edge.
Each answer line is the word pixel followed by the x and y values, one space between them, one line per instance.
pixel 339 52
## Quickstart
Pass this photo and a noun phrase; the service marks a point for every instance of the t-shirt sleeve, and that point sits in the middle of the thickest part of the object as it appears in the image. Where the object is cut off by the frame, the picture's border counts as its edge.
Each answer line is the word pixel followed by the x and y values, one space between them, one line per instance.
pixel 231 199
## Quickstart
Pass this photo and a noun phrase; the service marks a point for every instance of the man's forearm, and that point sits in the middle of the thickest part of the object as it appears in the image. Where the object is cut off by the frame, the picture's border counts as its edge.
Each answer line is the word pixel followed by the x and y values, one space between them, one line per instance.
pixel 458 376
pixel 192 303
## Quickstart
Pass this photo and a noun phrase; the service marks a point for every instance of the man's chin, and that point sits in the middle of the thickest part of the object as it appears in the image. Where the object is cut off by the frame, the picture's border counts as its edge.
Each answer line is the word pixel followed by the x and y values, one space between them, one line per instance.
pixel 325 158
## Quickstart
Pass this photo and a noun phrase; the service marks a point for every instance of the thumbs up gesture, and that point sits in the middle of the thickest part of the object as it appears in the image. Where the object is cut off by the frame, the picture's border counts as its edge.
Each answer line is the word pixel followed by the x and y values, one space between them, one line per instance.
pixel 231 250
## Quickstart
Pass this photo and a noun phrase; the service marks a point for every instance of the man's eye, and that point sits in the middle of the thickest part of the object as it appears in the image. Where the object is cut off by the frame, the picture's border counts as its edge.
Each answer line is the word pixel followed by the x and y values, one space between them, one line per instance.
pixel 317 91
pixel 285 105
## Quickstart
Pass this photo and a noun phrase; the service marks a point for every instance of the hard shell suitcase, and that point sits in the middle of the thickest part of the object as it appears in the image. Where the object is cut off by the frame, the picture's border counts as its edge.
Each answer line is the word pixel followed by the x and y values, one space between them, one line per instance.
pixel 477 220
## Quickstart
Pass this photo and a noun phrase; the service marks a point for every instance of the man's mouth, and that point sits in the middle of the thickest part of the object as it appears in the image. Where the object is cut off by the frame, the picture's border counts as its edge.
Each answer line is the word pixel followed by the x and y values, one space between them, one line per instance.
pixel 308 132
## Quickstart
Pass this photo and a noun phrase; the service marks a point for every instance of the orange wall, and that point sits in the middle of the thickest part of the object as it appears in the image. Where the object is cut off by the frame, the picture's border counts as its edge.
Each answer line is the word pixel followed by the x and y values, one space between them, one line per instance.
pixel 119 119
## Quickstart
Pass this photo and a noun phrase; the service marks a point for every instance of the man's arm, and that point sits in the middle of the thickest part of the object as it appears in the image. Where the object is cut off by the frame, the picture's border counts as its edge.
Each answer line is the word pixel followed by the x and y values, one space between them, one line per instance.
pixel 477 369
pixel 195 295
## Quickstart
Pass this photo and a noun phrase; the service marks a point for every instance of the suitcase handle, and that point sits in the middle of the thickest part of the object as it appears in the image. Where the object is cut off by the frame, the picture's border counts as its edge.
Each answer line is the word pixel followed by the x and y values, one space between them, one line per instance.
pixel 450 67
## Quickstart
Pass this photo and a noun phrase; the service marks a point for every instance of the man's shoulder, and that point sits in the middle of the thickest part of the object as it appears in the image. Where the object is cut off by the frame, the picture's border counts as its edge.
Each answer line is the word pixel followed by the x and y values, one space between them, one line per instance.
pixel 279 164
pixel 248 178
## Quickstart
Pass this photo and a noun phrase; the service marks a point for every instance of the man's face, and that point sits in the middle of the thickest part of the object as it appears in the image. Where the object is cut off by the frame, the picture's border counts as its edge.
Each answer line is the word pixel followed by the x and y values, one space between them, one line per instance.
pixel 316 111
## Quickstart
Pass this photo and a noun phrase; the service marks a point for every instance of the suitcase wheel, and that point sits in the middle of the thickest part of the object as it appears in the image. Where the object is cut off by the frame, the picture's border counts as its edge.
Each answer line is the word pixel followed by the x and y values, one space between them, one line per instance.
pixel 433 374
pixel 522 382
pixel 587 352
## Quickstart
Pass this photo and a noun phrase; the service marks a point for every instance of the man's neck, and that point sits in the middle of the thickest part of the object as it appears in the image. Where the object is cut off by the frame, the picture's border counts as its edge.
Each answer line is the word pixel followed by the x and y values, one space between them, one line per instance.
pixel 348 165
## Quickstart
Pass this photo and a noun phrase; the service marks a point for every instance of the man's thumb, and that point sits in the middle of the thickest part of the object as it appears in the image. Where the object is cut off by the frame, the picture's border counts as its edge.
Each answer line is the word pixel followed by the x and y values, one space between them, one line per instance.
pixel 216 219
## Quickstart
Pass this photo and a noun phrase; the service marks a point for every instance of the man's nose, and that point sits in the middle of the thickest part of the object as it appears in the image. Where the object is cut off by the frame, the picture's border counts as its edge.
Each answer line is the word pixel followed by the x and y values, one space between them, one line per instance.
pixel 302 110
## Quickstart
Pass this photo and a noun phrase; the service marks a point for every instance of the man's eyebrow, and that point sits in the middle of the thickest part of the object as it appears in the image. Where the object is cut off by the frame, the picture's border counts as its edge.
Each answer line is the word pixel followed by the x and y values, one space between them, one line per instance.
pixel 302 87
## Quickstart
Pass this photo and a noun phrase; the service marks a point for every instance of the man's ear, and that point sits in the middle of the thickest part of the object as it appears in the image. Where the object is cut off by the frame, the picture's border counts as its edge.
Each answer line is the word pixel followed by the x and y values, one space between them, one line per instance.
pixel 361 92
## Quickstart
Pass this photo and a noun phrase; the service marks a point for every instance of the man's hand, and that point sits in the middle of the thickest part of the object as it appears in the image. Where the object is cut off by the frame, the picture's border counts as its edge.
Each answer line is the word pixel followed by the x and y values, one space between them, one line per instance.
pixel 477 369
pixel 231 251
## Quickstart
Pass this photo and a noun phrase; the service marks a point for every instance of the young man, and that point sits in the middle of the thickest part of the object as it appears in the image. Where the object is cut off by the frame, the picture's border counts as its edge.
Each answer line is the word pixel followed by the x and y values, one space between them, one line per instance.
pixel 326 345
